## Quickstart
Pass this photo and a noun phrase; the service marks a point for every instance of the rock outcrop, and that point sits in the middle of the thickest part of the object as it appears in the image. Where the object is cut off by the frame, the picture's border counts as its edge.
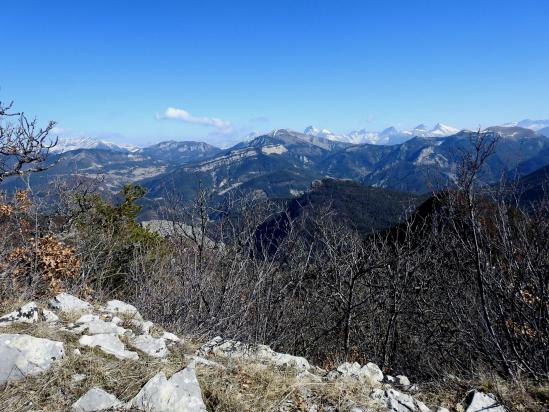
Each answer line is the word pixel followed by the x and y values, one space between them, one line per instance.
pixel 96 399
pixel 179 393
pixel 261 353
pixel 117 333
pixel 22 355
pixel 68 303
pixel 481 402
pixel 28 313
pixel 395 401
pixel 108 343
pixel 370 371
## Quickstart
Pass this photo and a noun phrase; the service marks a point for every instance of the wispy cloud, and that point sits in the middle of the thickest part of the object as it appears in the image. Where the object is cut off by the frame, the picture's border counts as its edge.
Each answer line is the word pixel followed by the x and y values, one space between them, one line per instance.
pixel 174 113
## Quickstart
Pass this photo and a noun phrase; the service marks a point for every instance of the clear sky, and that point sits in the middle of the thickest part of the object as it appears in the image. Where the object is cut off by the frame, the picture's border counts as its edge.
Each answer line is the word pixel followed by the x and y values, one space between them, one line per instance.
pixel 141 71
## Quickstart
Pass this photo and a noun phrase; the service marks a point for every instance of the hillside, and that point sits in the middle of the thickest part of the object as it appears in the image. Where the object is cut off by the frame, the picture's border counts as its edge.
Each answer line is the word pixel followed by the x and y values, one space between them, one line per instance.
pixel 284 163
pixel 68 354
pixel 534 186
pixel 362 207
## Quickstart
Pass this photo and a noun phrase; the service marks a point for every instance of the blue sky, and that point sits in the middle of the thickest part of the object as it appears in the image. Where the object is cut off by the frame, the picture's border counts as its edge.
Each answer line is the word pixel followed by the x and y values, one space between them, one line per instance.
pixel 112 69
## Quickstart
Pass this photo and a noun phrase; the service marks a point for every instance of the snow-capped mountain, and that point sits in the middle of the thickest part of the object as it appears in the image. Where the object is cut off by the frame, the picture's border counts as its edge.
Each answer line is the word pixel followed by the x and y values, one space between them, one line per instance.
pixel 534 125
pixel 388 136
pixel 66 144
pixel 440 130
pixel 325 133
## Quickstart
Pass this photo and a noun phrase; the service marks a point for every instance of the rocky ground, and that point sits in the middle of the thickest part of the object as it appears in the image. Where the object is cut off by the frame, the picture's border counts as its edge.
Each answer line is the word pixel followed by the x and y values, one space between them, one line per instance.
pixel 67 354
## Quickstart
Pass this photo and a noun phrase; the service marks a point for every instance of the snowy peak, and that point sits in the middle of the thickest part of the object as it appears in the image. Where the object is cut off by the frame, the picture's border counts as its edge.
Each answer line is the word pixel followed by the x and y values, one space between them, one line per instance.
pixel 534 125
pixel 311 131
pixel 324 133
pixel 443 130
pixel 67 144
pixel 388 136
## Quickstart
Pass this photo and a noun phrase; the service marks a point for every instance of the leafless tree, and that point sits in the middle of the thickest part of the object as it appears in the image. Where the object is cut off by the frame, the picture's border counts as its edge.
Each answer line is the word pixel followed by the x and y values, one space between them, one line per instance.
pixel 24 145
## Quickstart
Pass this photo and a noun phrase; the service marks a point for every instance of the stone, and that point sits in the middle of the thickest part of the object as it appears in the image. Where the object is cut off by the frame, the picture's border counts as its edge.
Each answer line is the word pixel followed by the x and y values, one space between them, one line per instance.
pixel 179 393
pixel 370 371
pixel 110 344
pixel 170 336
pixel 478 401
pixel 389 379
pixel 402 380
pixel 49 316
pixel 22 355
pixel 203 361
pixel 28 313
pixel 93 325
pixel 96 399
pixel 155 347
pixel 69 303
pixel 116 320
pixel 145 327
pixel 119 308
pixel 261 353
pixel 442 409
pixel 395 401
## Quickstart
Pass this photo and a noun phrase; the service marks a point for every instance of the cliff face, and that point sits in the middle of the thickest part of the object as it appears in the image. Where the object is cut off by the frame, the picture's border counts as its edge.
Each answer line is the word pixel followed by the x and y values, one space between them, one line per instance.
pixel 68 354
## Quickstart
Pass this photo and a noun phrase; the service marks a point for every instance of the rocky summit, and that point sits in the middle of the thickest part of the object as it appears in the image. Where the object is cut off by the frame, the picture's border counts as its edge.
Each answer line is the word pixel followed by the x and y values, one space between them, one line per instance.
pixel 108 357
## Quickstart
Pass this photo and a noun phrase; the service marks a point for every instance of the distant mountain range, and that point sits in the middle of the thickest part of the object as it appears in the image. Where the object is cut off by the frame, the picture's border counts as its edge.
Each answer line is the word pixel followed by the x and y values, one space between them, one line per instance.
pixel 66 144
pixel 284 163
pixel 388 136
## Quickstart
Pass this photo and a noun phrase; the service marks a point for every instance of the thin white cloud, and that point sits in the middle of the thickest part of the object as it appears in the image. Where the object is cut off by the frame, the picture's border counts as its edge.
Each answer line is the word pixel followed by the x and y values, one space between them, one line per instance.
pixel 184 116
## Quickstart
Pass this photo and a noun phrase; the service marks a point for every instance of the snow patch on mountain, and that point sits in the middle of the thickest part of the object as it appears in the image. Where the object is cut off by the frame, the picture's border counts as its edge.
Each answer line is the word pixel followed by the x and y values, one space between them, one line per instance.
pixel 66 144
pixel 388 136
pixel 535 125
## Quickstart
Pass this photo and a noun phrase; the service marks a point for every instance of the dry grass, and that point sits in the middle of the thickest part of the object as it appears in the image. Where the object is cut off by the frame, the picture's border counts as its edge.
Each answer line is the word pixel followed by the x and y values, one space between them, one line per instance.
pixel 245 386
pixel 521 395
pixel 56 390
pixel 242 386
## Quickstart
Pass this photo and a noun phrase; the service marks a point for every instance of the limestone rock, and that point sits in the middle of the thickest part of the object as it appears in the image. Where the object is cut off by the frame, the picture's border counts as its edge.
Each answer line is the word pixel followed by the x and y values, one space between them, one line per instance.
pixel 145 327
pixel 179 393
pixel 170 336
pixel 155 347
pixel 96 400
pixel 203 361
pixel 370 371
pixel 389 379
pixel 477 401
pixel 261 353
pixel 28 313
pixel 93 325
pixel 396 401
pixel 68 303
pixel 49 316
pixel 22 355
pixel 402 380
pixel 108 343
pixel 119 308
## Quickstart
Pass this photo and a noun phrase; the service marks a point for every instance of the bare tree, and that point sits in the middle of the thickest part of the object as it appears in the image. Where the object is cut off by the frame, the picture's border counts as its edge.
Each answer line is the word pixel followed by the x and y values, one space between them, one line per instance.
pixel 24 145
